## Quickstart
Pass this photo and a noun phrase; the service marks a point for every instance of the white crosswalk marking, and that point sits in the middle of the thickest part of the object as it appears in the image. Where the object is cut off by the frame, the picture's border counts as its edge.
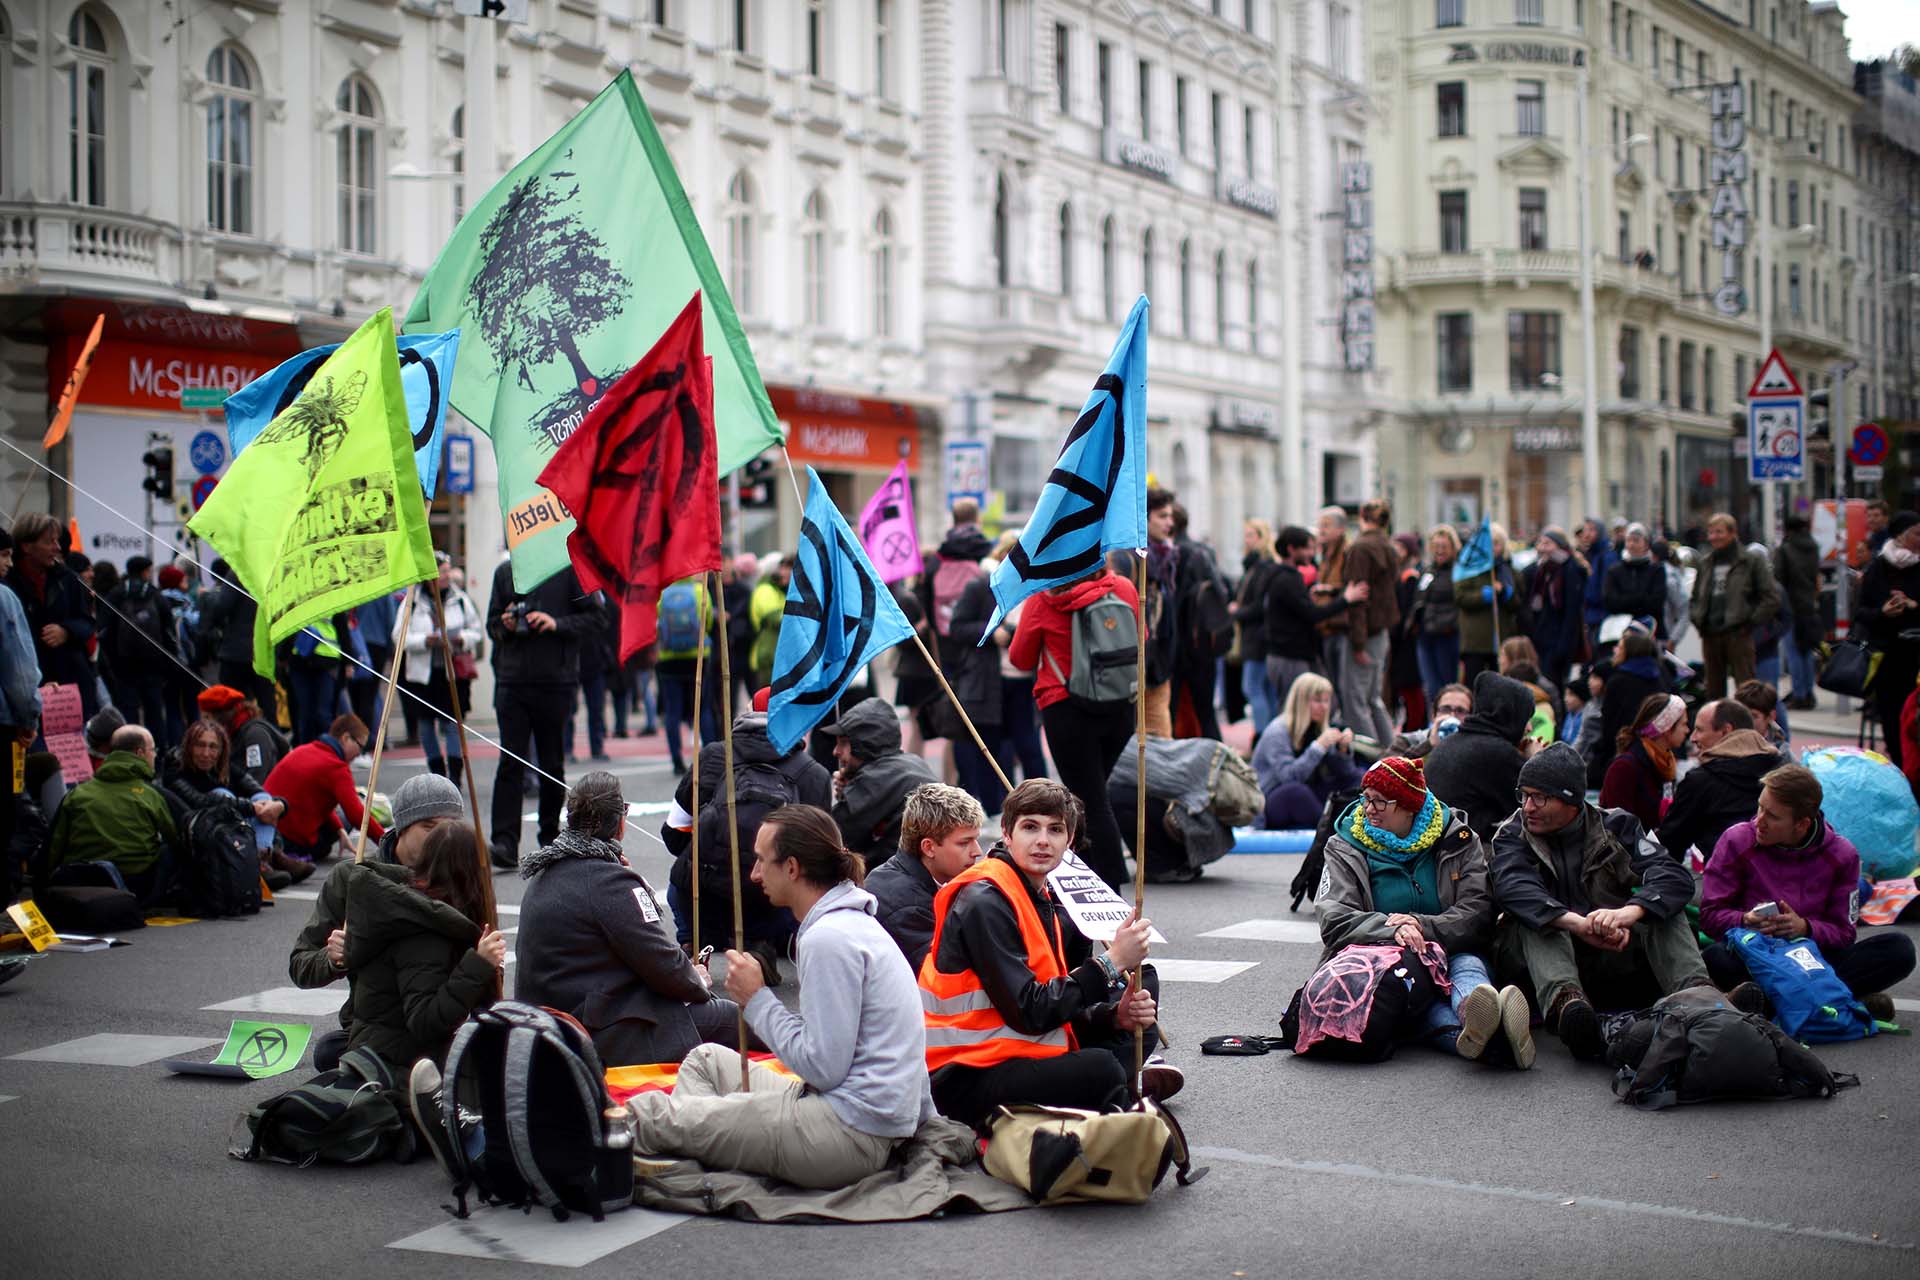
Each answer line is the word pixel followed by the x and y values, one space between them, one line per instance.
pixel 508 1235
pixel 113 1049
pixel 1305 932
pixel 1905 1005
pixel 1199 970
pixel 318 1002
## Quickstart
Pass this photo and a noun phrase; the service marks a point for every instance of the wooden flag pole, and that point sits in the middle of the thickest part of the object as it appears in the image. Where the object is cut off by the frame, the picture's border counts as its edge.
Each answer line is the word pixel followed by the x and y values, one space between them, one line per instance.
pixel 380 734
pixel 733 820
pixel 693 876
pixel 965 719
pixel 466 761
pixel 1140 802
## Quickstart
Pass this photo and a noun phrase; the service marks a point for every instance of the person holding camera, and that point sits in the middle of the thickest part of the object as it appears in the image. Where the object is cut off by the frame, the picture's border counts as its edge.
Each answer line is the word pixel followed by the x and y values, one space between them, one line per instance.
pixel 536 666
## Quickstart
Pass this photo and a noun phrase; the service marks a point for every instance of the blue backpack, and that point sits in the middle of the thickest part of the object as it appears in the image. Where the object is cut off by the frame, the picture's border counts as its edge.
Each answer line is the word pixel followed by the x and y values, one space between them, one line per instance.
pixel 1810 1003
pixel 679 620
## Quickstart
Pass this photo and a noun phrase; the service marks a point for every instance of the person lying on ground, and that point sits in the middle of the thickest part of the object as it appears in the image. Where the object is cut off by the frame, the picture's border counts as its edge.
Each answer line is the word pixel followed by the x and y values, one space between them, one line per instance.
pixel 592 943
pixel 939 838
pixel 421 954
pixel 1788 874
pixel 874 778
pixel 1406 870
pixel 1595 908
pixel 324 811
pixel 201 773
pixel 421 805
pixel 119 821
pixel 856 1043
pixel 1057 1023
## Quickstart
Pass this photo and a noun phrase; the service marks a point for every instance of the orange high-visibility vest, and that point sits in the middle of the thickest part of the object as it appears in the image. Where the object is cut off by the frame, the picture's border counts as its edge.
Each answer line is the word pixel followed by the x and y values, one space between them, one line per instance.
pixel 962 1024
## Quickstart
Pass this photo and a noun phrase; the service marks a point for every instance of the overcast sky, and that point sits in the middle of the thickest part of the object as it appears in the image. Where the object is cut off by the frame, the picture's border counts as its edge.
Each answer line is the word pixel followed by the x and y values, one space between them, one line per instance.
pixel 1876 26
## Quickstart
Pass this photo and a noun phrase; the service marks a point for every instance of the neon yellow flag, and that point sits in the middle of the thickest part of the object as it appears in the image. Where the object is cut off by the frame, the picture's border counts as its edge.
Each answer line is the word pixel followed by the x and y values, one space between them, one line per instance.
pixel 322 511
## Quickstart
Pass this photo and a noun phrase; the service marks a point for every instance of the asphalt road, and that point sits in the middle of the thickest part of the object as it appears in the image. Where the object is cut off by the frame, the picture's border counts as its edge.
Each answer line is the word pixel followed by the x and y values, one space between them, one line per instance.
pixel 1425 1165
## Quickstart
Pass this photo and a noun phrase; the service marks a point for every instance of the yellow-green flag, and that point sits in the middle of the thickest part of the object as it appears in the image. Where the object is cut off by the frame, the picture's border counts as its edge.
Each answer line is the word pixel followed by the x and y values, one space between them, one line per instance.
pixel 323 511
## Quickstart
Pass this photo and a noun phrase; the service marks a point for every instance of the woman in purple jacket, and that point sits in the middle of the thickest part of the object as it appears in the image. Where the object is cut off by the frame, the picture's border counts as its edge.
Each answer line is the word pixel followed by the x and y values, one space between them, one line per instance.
pixel 1788 856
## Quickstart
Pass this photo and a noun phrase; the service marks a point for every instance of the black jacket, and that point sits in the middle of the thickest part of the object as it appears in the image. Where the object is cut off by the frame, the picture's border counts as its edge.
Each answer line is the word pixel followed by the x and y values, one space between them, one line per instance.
pixel 1619 704
pixel 1292 616
pixel 1250 605
pixel 809 778
pixel 981 933
pixel 868 809
pixel 192 789
pixel 1796 566
pixel 258 745
pixel 65 604
pixel 1877 585
pixel 1638 587
pixel 1605 859
pixel 524 657
pixel 904 889
pixel 1478 768
pixel 416 975
pixel 228 618
pixel 1719 793
pixel 592 943
pixel 1439 614
pixel 975 670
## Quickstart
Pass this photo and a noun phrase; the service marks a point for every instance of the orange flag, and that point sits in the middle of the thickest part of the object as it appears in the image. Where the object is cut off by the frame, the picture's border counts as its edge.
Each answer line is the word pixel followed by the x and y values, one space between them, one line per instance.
pixel 70 394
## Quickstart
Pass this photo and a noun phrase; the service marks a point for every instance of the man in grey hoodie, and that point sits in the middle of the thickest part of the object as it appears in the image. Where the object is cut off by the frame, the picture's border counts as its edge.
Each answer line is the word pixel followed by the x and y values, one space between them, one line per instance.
pixel 858 1044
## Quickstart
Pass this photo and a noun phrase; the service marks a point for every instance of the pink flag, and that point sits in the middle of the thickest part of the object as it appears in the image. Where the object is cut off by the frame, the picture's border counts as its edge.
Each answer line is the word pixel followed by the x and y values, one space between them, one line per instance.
pixel 887 529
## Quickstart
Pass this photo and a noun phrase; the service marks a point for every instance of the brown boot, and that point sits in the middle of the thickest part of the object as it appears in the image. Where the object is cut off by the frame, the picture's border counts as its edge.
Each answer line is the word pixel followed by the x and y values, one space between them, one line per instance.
pixel 298 868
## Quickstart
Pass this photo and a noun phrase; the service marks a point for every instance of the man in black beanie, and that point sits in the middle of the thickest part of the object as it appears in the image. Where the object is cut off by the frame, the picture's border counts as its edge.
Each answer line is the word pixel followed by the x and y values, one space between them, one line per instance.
pixel 1593 903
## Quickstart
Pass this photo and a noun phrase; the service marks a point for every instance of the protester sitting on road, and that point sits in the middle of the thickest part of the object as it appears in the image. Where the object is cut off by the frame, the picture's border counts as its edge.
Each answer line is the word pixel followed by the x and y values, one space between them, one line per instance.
pixel 1404 869
pixel 257 743
pixel 421 954
pixel 857 1042
pixel 101 726
pixel 1476 769
pixel 1788 856
pixel 1724 785
pixel 201 773
pixel 874 778
pixel 1762 700
pixel 119 820
pixel 763 780
pixel 1595 909
pixel 1634 675
pixel 1451 707
pixel 939 838
pixel 592 943
pixel 421 805
pixel 1057 1025
pixel 324 812
pixel 1302 759
pixel 1640 776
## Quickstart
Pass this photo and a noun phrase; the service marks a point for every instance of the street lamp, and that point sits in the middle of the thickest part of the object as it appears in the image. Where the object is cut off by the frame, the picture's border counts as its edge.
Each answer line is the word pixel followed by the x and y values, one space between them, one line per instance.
pixel 1589 395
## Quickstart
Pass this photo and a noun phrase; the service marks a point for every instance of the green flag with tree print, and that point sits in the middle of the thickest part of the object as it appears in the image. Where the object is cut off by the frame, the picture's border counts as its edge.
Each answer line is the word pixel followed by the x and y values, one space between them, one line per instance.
pixel 323 510
pixel 559 279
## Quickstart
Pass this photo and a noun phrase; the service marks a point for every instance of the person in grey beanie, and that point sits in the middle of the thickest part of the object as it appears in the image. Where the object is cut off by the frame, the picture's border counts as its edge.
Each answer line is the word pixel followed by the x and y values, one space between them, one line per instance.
pixel 1593 903
pixel 319 957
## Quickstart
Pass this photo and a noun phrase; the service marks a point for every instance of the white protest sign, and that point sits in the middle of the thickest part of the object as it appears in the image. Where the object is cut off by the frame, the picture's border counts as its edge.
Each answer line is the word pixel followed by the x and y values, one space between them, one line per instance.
pixel 1097 911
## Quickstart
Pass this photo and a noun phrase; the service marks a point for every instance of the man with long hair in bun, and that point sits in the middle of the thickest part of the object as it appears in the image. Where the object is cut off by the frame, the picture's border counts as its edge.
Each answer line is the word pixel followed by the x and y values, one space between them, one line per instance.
pixel 857 1042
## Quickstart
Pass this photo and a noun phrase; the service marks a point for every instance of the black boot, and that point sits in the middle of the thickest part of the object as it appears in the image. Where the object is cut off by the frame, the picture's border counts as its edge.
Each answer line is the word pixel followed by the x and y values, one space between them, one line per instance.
pixel 452 769
pixel 434 765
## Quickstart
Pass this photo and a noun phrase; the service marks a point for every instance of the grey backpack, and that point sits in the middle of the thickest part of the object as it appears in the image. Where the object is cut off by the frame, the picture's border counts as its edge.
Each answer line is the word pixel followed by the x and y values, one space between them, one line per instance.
pixel 1106 653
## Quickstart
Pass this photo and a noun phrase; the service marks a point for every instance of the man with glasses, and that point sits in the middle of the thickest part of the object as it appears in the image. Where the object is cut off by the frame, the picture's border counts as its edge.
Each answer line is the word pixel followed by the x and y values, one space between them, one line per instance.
pixel 1593 904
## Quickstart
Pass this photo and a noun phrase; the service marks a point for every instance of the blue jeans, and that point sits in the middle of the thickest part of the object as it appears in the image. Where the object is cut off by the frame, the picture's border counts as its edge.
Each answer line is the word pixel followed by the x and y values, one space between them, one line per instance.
pixel 1262 706
pixel 676 709
pixel 262 831
pixel 1465 971
pixel 1799 666
pixel 1439 663
pixel 314 690
pixel 440 738
pixel 1020 730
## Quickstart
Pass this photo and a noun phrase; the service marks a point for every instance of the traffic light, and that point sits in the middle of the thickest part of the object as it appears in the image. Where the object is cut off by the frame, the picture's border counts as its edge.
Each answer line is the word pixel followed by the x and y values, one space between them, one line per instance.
pixel 159 464
pixel 1819 417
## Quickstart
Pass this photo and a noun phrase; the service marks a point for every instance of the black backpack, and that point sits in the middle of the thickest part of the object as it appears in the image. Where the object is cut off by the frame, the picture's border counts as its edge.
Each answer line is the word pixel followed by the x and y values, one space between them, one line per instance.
pixel 145 612
pixel 1306 881
pixel 759 788
pixel 1686 1050
pixel 353 1114
pixel 1209 621
pixel 534 1082
pixel 221 873
pixel 1397 1000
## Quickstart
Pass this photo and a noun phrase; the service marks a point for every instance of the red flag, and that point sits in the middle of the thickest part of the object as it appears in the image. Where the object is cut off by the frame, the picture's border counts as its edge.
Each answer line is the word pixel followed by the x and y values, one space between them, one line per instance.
pixel 641 476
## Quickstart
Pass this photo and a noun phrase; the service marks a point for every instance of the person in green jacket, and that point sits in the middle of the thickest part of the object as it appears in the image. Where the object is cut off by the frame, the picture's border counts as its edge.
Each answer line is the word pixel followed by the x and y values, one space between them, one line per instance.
pixel 765 609
pixel 118 817
pixel 1487 610
pixel 420 950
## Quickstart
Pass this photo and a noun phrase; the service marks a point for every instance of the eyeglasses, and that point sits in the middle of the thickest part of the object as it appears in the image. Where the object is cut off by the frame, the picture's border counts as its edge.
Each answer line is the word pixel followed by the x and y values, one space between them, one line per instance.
pixel 1375 803
pixel 1460 711
pixel 1532 799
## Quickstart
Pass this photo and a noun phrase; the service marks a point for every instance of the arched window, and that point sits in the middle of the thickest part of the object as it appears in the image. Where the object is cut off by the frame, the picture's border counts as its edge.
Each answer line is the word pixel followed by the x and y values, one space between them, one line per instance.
pixel 883 254
pixel 458 163
pixel 740 264
pixel 815 265
pixel 1253 305
pixel 1186 288
pixel 1146 270
pixel 230 142
pixel 1002 235
pixel 1066 251
pixel 1109 270
pixel 1220 325
pixel 357 155
pixel 87 109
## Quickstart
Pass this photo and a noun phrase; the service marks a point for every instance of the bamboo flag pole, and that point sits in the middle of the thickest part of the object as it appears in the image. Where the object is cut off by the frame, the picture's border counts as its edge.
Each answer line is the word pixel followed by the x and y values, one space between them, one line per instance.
pixel 460 727
pixel 1140 801
pixel 965 719
pixel 380 734
pixel 733 820
pixel 693 876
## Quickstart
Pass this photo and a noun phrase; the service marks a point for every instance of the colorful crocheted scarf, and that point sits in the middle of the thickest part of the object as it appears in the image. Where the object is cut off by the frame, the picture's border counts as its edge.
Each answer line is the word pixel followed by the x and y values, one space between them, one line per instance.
pixel 1428 826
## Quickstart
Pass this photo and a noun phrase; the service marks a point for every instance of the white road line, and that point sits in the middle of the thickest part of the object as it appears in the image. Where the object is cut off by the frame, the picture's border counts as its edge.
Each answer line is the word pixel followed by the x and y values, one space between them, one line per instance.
pixel 113 1049
pixel 1905 1005
pixel 9 1097
pixel 508 1235
pixel 316 1002
pixel 1199 970
pixel 1301 931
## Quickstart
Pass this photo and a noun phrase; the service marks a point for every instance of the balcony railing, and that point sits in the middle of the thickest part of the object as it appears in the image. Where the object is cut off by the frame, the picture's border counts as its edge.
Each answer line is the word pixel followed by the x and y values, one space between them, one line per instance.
pixel 39 240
